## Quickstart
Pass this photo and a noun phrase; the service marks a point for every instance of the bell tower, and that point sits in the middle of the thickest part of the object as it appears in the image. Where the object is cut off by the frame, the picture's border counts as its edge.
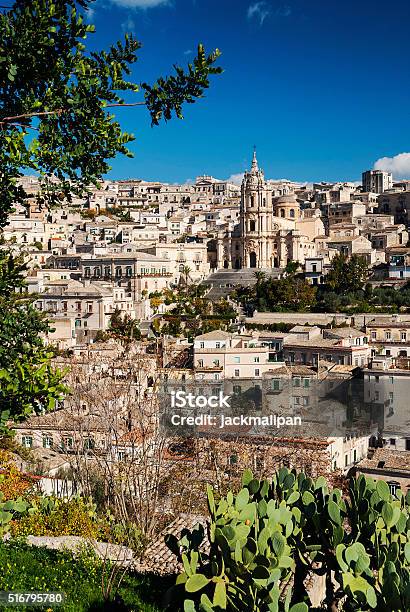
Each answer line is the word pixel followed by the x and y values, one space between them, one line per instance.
pixel 255 218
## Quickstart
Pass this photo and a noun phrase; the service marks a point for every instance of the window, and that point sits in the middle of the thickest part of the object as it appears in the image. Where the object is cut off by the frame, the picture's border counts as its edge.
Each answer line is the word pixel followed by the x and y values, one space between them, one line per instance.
pixel 392 441
pixel 237 360
pixel 87 272
pixel 306 383
pixel 200 363
pixel 403 336
pixel 256 359
pixel 217 345
pixel 89 444
pixel 252 226
pixel 202 345
pixel 275 384
pixel 391 397
pixel 237 373
pixel 296 381
pixel 388 335
pixel 305 401
pixel 257 372
pixel 47 442
pixel 27 441
pixel 393 486
pixel 67 442
pixel 237 389
pixel 376 396
pixel 346 460
pixel 296 400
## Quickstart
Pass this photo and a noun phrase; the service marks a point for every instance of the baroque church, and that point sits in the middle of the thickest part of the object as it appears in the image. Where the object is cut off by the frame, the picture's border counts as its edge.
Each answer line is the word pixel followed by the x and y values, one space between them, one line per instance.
pixel 272 230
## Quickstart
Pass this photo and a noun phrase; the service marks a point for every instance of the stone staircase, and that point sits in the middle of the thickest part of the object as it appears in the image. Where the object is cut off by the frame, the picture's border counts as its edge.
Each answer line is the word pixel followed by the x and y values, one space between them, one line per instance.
pixel 223 282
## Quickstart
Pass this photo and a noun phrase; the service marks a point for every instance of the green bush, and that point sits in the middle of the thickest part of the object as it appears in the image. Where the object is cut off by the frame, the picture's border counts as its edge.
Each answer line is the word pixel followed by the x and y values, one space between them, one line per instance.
pixel 273 534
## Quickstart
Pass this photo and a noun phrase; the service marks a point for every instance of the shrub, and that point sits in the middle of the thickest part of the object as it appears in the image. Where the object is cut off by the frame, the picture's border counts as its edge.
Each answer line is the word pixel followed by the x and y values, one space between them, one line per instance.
pixel 276 533
pixel 13 483
pixel 54 517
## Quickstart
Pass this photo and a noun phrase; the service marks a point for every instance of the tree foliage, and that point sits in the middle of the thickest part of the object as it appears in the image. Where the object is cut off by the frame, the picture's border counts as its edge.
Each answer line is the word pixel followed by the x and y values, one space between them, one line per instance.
pixel 290 293
pixel 124 327
pixel 55 98
pixel 55 121
pixel 347 274
pixel 28 382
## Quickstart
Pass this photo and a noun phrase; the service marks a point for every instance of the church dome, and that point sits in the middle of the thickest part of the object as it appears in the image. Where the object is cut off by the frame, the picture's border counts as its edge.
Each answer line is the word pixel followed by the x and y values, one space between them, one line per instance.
pixel 288 198
pixel 287 207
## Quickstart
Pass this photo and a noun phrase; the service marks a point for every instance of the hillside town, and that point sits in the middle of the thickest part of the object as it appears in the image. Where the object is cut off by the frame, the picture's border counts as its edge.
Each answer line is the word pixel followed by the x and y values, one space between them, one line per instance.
pixel 162 282
pixel 204 381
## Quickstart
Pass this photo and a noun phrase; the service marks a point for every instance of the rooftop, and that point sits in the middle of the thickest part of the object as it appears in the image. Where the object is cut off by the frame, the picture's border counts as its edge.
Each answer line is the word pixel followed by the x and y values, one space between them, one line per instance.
pixel 386 459
pixel 217 334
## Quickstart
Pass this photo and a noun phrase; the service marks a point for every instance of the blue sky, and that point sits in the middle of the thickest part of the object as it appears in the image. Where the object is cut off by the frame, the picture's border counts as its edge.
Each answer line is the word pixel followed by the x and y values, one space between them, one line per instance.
pixel 321 87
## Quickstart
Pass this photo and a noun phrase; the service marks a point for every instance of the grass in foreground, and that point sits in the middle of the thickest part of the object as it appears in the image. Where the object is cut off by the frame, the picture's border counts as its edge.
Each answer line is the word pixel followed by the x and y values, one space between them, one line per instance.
pixel 26 568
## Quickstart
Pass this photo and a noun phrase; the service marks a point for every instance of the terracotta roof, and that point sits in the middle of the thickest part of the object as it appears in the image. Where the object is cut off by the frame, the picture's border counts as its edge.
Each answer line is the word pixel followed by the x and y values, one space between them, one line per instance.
pixel 214 335
pixel 158 559
pixel 392 459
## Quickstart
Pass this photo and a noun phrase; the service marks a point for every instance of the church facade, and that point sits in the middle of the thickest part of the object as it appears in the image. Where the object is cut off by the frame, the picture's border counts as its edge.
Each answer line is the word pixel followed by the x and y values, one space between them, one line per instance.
pixel 271 231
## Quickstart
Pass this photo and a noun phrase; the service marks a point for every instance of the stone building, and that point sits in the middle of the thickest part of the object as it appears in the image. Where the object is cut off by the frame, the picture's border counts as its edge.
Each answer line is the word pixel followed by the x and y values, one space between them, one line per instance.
pixel 271 231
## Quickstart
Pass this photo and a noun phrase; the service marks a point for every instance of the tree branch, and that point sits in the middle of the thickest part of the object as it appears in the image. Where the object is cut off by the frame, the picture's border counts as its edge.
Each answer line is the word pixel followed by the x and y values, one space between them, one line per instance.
pixel 59 111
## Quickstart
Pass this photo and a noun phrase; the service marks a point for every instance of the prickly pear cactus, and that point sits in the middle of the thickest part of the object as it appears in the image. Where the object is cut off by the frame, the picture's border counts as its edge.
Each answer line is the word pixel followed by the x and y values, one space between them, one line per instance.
pixel 265 540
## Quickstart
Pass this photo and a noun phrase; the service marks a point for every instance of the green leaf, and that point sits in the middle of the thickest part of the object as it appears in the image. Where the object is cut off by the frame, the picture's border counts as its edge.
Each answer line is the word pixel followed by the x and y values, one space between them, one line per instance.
pixel 383 490
pixel 220 595
pixel 293 497
pixel 195 583
pixel 387 513
pixel 242 499
pixel 334 512
pixel 260 573
pixel 339 556
pixel 278 543
pixel 189 605
pixel 299 607
pixel 371 597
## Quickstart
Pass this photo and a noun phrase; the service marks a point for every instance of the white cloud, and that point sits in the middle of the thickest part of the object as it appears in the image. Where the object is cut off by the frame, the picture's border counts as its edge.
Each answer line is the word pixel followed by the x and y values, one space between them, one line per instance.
pixel 398 165
pixel 259 11
pixel 128 25
pixel 236 179
pixel 140 4
pixel 90 14
pixel 188 52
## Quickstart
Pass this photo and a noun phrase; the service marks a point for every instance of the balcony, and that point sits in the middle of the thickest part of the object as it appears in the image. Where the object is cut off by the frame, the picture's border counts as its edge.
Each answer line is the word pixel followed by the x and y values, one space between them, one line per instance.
pixel 214 368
